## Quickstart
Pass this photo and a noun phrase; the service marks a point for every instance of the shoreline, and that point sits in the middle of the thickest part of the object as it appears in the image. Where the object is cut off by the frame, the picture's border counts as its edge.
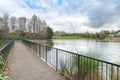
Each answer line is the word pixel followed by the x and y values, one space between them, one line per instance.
pixel 70 37
pixel 108 39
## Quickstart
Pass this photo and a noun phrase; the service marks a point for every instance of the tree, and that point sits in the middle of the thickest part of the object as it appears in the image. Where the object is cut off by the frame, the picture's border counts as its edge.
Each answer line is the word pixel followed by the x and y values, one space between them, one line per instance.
pixel 5 22
pixel 13 21
pixel 48 32
pixel 44 23
pixel 34 21
pixel 22 24
pixel 29 26
pixel 38 26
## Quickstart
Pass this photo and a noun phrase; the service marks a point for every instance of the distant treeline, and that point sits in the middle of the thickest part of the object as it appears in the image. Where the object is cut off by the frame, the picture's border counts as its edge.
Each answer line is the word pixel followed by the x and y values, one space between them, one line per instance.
pixel 99 35
pixel 22 27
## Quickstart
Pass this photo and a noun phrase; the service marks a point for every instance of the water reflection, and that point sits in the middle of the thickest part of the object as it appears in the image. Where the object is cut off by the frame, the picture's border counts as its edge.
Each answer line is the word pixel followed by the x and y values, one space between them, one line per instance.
pixel 45 42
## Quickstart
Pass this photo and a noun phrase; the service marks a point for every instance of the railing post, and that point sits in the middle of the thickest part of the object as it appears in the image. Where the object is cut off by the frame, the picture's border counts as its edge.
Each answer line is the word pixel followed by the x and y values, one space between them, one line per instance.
pixel 39 50
pixel 78 67
pixel 56 59
pixel 46 53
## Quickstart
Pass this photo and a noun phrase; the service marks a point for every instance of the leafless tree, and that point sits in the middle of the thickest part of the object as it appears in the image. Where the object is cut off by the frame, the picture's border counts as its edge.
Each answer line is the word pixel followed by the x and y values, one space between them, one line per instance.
pixel 13 21
pixel 29 26
pixel 34 23
pixel 5 22
pixel 44 23
pixel 38 24
pixel 22 24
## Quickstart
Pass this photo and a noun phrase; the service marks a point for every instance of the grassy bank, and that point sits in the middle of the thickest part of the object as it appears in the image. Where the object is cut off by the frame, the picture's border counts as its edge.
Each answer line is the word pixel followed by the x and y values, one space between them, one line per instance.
pixel 2 43
pixel 69 37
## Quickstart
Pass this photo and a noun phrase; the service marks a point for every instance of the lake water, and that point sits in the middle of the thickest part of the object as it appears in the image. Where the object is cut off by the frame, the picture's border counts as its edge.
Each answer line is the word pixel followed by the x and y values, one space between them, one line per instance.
pixel 110 51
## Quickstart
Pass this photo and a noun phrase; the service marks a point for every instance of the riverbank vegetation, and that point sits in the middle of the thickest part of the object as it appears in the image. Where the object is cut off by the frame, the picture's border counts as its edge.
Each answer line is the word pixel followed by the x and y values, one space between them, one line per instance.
pixel 84 68
pixel 100 36
pixel 88 68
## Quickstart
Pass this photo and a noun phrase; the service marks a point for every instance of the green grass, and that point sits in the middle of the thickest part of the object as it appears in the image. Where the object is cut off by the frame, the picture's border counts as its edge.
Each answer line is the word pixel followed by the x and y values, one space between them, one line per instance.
pixel 69 37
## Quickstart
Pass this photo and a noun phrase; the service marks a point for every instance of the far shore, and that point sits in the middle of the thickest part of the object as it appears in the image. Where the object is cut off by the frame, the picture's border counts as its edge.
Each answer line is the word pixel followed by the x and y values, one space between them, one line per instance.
pixel 70 37
pixel 108 39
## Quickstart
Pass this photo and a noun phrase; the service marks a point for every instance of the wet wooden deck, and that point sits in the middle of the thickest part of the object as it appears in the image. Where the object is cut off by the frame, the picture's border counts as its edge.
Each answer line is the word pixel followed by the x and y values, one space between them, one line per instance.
pixel 24 64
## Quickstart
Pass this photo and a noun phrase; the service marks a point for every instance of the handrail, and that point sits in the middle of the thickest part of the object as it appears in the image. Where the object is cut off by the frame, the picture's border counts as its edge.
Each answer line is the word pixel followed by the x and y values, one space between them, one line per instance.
pixel 4 52
pixel 5 45
pixel 76 66
pixel 78 54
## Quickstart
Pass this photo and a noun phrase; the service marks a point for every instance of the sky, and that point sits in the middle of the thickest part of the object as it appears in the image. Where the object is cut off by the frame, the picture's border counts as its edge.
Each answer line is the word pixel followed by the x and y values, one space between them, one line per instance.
pixel 68 15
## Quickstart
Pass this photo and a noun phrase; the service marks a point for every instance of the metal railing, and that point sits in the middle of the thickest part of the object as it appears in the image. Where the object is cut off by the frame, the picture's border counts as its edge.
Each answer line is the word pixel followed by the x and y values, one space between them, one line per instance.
pixel 4 52
pixel 75 66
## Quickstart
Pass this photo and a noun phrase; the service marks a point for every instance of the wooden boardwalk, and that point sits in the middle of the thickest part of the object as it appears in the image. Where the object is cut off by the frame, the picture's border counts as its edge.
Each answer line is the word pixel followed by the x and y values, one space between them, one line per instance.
pixel 24 64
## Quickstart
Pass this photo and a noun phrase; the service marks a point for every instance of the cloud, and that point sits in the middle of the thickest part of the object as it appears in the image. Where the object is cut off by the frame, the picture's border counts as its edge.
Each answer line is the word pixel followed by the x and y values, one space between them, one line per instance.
pixel 107 12
pixel 64 22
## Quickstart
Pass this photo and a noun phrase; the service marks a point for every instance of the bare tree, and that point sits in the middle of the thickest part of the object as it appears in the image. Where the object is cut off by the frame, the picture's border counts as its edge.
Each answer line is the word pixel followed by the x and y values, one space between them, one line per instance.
pixel 44 24
pixel 5 22
pixel 34 23
pixel 13 21
pixel 29 26
pixel 38 24
pixel 22 24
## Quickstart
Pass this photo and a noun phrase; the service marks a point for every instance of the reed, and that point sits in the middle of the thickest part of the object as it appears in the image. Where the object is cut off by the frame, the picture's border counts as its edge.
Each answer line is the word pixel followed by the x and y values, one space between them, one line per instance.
pixel 82 68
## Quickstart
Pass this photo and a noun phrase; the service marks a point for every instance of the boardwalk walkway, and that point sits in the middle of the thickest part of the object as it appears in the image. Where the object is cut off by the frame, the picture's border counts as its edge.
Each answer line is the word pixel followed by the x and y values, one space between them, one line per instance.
pixel 25 65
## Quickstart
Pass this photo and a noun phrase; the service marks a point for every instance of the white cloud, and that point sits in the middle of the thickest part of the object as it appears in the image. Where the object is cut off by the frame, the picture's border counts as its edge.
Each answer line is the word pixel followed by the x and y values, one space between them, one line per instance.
pixel 64 22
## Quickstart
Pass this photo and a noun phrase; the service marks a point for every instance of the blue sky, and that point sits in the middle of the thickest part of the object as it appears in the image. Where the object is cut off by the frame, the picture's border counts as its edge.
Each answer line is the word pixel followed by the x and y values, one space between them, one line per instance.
pixel 85 15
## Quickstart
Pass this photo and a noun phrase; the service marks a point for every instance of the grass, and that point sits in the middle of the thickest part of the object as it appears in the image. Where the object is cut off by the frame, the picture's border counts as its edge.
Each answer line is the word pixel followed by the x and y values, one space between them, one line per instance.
pixel 89 66
pixel 69 37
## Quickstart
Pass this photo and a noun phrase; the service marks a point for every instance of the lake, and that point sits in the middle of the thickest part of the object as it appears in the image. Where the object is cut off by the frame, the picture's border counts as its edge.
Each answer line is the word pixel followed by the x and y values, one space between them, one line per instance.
pixel 110 51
